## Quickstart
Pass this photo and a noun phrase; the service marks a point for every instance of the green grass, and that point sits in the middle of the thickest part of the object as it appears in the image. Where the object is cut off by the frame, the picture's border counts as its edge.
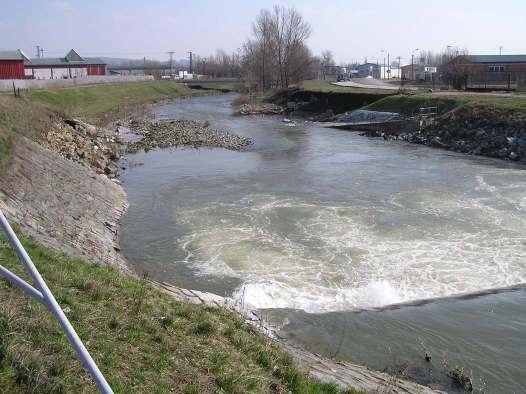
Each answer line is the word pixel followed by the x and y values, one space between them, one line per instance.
pixel 142 340
pixel 19 117
pixel 94 103
pixel 32 113
pixel 409 104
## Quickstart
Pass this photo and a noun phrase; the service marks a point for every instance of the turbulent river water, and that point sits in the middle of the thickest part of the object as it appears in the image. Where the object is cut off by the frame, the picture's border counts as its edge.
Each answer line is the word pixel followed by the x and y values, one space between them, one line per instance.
pixel 329 232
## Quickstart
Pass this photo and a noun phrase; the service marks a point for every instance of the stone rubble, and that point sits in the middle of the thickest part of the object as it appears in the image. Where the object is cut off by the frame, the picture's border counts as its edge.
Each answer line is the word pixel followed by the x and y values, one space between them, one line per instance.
pixel 261 109
pixel 94 147
pixel 482 131
pixel 174 133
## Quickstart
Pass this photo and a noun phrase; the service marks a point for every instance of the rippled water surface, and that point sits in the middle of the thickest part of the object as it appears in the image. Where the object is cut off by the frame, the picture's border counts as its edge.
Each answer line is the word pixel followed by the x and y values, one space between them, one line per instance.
pixel 314 224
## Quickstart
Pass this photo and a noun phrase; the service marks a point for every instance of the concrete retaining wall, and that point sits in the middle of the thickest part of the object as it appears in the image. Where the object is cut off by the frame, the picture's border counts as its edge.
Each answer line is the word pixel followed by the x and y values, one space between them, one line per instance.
pixel 7 84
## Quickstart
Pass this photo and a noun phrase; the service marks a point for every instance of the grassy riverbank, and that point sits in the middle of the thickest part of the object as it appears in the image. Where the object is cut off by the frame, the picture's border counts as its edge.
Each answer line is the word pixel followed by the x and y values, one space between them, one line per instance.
pixel 142 340
pixel 316 97
pixel 32 113
pixel 409 104
pixel 94 103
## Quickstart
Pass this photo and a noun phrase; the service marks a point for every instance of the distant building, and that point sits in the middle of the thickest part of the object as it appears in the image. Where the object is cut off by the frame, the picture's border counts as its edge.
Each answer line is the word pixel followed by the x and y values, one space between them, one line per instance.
pixel 390 72
pixel 12 64
pixel 418 72
pixel 71 66
pixel 16 65
pixel 490 71
pixel 368 70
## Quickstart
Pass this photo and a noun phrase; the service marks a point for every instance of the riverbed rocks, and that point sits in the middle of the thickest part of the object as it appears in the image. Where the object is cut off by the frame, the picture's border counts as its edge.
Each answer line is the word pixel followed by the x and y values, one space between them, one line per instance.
pixel 95 147
pixel 475 130
pixel 261 109
pixel 485 131
pixel 174 133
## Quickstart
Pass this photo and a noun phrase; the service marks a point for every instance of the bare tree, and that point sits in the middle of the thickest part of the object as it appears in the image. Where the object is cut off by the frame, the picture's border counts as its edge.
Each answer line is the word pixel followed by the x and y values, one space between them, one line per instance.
pixel 277 54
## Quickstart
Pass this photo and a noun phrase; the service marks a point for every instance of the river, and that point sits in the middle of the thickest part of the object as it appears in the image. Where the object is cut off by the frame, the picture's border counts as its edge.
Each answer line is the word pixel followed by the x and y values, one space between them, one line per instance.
pixel 338 238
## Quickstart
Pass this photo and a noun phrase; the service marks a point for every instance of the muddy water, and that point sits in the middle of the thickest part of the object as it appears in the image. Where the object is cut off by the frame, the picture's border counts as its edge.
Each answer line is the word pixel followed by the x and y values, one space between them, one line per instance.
pixel 325 230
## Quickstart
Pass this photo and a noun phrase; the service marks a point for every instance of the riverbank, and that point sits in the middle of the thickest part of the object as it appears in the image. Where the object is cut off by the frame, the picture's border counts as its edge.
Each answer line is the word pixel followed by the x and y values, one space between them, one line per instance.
pixel 316 100
pixel 483 126
pixel 55 195
pixel 491 125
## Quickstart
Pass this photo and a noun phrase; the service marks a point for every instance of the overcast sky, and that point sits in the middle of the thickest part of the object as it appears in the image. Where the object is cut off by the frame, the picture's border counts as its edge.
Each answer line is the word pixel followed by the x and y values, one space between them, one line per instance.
pixel 351 29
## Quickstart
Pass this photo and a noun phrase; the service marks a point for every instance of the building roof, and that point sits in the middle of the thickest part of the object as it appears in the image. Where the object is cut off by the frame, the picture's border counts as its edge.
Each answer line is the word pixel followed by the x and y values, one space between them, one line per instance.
pixel 16 54
pixel 497 58
pixel 72 58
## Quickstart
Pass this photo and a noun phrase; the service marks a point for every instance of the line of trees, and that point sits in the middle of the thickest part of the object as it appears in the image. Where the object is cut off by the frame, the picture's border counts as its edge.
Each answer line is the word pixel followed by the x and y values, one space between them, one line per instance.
pixel 220 65
pixel 277 55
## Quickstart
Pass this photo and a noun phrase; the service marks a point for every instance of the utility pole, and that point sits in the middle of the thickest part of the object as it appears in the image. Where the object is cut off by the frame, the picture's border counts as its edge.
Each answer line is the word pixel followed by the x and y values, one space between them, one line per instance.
pixel 171 53
pixel 500 50
pixel 413 63
pixel 38 50
pixel 388 67
pixel 190 52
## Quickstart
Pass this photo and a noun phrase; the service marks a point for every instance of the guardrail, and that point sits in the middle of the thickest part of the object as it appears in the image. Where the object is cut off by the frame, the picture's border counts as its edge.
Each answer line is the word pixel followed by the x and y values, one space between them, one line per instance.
pixel 42 294
pixel 427 111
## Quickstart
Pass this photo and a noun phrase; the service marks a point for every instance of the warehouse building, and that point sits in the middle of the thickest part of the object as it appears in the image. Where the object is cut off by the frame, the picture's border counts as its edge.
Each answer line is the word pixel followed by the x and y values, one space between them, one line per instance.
pixel 12 64
pixel 16 65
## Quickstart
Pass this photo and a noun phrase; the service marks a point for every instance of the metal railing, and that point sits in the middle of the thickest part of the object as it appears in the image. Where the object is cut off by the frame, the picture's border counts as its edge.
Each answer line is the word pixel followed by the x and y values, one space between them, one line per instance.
pixel 42 294
pixel 427 111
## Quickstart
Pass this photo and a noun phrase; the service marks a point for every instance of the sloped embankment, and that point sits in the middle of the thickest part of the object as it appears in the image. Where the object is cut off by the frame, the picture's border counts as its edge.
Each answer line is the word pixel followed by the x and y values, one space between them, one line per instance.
pixel 478 130
pixel 63 204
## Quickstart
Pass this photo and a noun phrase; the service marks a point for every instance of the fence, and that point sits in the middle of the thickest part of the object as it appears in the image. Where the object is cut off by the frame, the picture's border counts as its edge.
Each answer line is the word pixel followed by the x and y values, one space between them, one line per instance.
pixel 496 80
pixel 43 295
pixel 7 84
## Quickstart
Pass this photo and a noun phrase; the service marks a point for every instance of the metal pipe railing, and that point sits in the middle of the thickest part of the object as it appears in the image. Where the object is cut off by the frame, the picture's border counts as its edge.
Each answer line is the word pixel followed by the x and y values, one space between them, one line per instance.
pixel 42 294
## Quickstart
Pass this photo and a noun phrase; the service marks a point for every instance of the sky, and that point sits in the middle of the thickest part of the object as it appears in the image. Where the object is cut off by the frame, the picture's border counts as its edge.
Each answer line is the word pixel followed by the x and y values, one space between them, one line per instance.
pixel 352 30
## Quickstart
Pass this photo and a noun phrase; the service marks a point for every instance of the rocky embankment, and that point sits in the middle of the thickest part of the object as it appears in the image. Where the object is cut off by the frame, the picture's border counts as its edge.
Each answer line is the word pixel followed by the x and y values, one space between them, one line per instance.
pixel 484 131
pixel 174 133
pixel 63 204
pixel 475 130
pixel 261 109
pixel 94 147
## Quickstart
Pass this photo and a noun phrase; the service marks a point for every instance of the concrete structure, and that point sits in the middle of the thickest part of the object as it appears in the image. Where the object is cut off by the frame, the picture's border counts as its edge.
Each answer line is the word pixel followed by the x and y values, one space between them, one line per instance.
pixel 6 85
pixel 489 71
pixel 12 64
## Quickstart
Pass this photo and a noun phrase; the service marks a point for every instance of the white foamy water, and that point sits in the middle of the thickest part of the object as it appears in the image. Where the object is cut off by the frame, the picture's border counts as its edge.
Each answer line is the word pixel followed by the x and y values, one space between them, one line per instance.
pixel 317 257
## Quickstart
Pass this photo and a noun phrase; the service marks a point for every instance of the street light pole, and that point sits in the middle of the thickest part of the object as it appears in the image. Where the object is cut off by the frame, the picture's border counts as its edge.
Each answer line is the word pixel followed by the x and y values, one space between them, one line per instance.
pixel 413 62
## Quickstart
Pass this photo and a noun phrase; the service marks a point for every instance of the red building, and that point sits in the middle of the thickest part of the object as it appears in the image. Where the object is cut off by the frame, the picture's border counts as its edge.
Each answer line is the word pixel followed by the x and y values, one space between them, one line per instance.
pixel 15 65
pixel 12 64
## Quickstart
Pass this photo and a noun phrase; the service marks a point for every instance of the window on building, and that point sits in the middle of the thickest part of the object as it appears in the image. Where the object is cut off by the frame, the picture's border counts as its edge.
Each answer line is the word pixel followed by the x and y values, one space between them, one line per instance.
pixel 496 69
